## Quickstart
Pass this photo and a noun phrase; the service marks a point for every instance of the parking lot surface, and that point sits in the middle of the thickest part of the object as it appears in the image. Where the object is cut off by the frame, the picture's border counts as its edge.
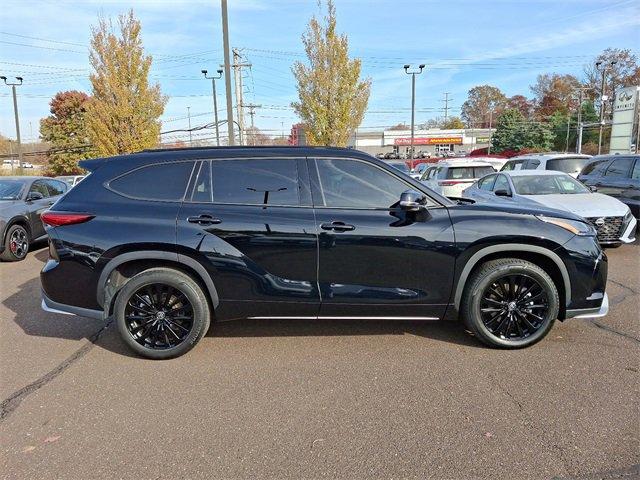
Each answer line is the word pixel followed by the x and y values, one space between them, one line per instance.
pixel 300 399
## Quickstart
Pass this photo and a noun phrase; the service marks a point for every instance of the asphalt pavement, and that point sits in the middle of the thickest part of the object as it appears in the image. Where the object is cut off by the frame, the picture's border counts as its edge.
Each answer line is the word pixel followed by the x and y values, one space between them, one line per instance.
pixel 300 399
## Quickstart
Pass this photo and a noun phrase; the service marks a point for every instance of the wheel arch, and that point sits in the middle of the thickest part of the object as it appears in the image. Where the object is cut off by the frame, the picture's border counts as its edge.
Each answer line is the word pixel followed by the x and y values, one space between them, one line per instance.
pixel 19 220
pixel 547 259
pixel 118 270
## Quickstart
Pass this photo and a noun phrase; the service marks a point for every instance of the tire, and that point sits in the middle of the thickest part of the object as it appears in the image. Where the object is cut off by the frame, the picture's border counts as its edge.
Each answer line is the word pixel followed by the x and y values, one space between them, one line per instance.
pixel 161 313
pixel 503 314
pixel 16 244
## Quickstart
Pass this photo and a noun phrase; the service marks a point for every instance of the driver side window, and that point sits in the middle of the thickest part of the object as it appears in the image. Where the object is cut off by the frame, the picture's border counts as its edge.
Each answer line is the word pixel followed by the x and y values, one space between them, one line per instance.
pixel 501 184
pixel 39 187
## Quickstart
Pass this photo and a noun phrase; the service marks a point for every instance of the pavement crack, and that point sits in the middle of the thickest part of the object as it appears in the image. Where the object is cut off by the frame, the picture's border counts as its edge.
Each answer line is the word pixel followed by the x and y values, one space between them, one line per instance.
pixel 622 285
pixel 10 404
pixel 607 328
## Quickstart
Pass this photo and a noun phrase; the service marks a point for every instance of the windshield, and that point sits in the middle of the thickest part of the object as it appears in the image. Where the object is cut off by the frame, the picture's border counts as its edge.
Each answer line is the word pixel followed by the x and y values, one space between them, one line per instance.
pixel 567 165
pixel 11 189
pixel 547 185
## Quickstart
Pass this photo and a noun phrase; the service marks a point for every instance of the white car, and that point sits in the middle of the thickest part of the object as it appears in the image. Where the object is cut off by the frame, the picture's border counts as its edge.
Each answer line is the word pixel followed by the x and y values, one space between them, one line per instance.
pixel 571 163
pixel 451 177
pixel 496 162
pixel 611 218
pixel 71 180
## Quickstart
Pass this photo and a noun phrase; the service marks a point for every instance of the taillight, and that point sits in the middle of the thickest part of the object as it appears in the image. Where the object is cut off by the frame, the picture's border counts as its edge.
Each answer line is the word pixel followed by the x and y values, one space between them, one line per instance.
pixel 57 219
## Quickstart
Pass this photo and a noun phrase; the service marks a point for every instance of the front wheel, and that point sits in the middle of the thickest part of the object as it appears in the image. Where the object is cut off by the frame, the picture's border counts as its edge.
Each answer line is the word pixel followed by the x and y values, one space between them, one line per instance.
pixel 510 303
pixel 161 313
pixel 16 244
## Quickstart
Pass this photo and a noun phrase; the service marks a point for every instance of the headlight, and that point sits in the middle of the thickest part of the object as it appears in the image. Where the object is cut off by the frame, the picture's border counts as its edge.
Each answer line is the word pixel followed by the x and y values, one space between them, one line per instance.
pixel 574 226
pixel 627 217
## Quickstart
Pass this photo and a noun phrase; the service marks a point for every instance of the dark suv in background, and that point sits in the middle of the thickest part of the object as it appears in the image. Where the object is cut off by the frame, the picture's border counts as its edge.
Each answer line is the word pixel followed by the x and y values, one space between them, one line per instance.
pixel 167 241
pixel 617 176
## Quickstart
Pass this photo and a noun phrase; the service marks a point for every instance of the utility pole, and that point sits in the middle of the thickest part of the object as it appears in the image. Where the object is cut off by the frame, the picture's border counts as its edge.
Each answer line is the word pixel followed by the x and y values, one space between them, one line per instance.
pixel 579 139
pixel 603 98
pixel 227 72
pixel 189 119
pixel 13 86
pixel 490 135
pixel 237 77
pixel 252 112
pixel 446 106
pixel 413 103
pixel 215 101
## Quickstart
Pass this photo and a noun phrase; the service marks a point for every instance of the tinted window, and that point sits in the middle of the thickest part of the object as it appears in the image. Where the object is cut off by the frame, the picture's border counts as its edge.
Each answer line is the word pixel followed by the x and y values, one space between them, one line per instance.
pixel 256 182
pixel 487 182
pixel 501 184
pixel 636 171
pixel 594 168
pixel 202 186
pixel 354 184
pixel 533 164
pixel 567 164
pixel 165 181
pixel 56 188
pixel 619 168
pixel 480 172
pixel 39 186
pixel 512 165
pixel 460 172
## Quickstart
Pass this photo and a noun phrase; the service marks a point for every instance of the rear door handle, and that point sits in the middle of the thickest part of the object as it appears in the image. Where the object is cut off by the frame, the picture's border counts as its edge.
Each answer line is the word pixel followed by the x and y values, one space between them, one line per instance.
pixel 204 220
pixel 337 227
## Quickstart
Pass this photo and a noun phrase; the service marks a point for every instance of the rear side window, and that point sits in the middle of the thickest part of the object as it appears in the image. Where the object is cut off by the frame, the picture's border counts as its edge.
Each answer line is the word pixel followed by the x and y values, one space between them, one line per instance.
pixel 161 181
pixel 619 168
pixel 256 182
pixel 480 172
pixel 567 164
pixel 513 165
pixel 533 164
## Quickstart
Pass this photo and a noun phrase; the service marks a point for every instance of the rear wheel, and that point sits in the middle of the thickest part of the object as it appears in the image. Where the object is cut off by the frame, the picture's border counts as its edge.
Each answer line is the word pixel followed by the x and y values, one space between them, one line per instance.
pixel 510 303
pixel 16 244
pixel 162 313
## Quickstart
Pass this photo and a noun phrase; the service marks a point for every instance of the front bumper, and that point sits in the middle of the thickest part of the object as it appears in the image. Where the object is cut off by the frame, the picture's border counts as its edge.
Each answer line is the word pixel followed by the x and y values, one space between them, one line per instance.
pixel 49 305
pixel 629 233
pixel 591 312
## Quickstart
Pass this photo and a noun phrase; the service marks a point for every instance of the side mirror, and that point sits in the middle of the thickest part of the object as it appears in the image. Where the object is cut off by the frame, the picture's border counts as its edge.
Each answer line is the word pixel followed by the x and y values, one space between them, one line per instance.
pixel 412 201
pixel 593 188
pixel 502 193
pixel 34 196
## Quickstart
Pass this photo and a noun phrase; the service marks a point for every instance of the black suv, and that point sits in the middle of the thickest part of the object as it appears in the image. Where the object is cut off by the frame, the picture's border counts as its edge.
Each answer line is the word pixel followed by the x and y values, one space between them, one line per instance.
pixel 167 241
pixel 615 175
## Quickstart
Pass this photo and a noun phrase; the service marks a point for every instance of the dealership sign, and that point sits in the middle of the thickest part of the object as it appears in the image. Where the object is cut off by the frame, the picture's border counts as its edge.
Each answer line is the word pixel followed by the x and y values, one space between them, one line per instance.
pixel 624 128
pixel 428 141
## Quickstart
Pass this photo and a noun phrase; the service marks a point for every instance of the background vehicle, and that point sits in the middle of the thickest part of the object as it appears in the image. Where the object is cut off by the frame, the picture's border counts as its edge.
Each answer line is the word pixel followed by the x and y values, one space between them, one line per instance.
pixel 496 162
pixel 71 180
pixel 167 240
pixel 570 163
pixel 453 176
pixel 22 200
pixel 617 176
pixel 402 166
pixel 611 218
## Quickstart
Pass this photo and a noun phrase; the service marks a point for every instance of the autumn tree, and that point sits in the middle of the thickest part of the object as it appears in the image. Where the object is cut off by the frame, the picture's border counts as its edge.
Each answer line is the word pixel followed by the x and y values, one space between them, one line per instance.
pixel 483 102
pixel 554 92
pixel 452 123
pixel 124 111
pixel 332 97
pixel 66 132
pixel 522 104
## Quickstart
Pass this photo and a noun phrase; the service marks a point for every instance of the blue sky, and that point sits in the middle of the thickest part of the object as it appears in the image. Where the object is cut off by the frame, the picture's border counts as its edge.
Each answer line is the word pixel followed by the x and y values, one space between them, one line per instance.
pixel 463 43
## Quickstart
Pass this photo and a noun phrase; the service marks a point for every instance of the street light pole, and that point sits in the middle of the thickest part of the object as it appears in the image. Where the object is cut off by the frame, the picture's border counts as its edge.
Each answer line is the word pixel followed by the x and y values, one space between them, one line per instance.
pixel 413 103
pixel 603 98
pixel 215 101
pixel 189 117
pixel 13 86
pixel 227 71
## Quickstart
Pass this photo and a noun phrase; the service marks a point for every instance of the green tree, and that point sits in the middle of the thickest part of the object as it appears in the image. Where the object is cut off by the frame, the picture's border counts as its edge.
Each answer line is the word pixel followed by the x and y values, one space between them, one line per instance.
pixel 332 97
pixel 482 102
pixel 66 132
pixel 124 111
pixel 515 132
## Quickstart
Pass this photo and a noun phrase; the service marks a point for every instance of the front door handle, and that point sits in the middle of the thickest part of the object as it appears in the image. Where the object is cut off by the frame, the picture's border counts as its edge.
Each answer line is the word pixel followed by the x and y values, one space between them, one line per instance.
pixel 337 227
pixel 204 220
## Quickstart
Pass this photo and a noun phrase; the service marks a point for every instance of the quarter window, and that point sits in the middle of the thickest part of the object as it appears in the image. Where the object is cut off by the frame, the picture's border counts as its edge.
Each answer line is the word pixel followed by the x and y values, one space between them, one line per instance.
pixel 355 184
pixel 162 181
pixel 256 181
pixel 619 168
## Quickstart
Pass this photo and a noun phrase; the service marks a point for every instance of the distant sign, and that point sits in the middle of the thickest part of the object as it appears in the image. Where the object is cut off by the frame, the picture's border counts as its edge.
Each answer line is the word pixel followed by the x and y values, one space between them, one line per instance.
pixel 402 141
pixel 625 120
pixel 482 139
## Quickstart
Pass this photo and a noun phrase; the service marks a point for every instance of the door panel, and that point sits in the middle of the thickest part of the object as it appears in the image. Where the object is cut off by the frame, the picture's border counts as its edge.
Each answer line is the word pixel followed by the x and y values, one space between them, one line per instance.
pixel 262 258
pixel 381 262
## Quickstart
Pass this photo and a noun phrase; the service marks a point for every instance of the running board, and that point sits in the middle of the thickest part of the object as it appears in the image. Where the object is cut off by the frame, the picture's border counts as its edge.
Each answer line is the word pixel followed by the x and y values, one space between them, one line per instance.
pixel 320 317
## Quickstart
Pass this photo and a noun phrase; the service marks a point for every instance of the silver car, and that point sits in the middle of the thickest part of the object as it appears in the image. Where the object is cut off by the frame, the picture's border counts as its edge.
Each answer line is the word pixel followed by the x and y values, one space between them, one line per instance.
pixel 611 218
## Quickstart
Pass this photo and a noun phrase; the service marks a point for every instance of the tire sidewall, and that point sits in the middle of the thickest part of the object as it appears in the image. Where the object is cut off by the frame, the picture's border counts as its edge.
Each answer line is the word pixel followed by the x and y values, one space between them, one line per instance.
pixel 544 281
pixel 177 280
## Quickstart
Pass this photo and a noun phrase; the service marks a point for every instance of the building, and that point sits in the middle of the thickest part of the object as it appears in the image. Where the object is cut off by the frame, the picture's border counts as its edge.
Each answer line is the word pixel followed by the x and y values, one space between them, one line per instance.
pixel 434 141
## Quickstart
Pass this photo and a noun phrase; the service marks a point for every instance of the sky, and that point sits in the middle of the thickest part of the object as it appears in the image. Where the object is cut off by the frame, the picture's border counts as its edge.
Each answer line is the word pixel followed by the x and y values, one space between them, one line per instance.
pixel 462 42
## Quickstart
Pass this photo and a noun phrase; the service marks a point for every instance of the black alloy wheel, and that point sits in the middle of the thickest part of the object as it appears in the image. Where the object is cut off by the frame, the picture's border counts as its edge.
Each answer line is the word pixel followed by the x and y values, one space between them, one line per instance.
pixel 159 316
pixel 16 244
pixel 514 306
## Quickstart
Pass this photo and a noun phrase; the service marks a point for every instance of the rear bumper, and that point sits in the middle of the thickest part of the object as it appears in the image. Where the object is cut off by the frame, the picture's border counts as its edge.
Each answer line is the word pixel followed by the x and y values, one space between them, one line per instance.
pixel 591 312
pixel 49 305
